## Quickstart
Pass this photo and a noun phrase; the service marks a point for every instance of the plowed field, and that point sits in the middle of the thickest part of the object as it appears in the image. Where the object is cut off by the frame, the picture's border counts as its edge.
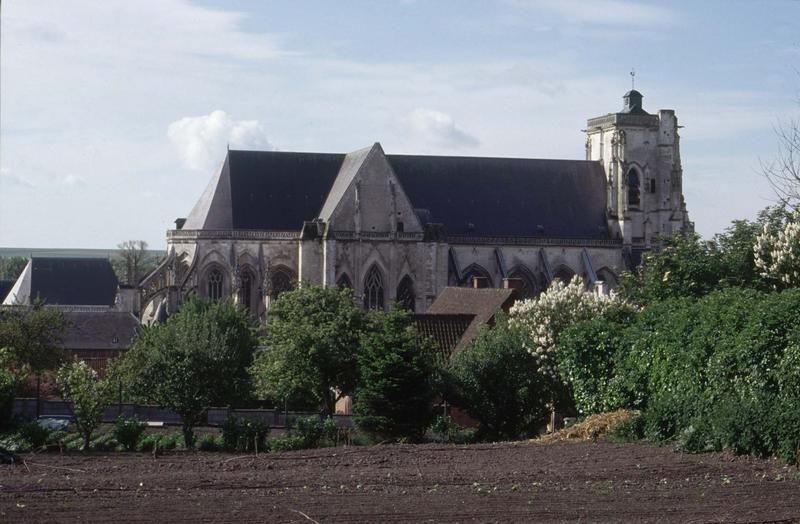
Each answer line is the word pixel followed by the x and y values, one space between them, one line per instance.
pixel 514 482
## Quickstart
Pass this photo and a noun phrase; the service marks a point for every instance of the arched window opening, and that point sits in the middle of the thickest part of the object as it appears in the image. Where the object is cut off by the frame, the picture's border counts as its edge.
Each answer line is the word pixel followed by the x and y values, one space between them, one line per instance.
pixel 280 282
pixel 405 294
pixel 373 289
pixel 633 188
pixel 344 282
pixel 214 284
pixel 474 270
pixel 564 274
pixel 607 276
pixel 246 291
pixel 529 287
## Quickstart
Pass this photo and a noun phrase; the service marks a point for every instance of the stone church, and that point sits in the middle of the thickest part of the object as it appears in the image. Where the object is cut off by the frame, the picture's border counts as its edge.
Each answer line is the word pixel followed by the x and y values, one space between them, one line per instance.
pixel 401 228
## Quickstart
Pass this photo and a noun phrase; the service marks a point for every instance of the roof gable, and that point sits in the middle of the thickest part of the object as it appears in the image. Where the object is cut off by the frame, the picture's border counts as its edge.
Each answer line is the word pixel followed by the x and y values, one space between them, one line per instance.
pixel 483 303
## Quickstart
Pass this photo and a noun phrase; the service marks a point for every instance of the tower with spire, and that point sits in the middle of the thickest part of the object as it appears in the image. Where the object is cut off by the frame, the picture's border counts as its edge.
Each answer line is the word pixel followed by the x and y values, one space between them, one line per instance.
pixel 640 153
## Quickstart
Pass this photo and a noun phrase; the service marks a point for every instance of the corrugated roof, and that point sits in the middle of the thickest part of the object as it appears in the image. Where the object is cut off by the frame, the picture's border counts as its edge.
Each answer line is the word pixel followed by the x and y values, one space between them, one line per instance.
pixel 271 190
pixel 73 281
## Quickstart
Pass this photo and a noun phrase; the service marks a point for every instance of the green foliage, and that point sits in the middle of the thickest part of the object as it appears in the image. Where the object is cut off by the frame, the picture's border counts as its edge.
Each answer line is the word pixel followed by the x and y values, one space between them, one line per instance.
pixel 106 442
pixel 310 347
pixel 210 442
pixel 286 443
pixel 79 384
pixel 33 434
pixel 630 429
pixel 148 443
pixel 32 338
pixel 498 383
pixel 128 431
pixel 586 353
pixel 395 391
pixel 8 389
pixel 171 441
pixel 244 435
pixel 198 358
pixel 11 267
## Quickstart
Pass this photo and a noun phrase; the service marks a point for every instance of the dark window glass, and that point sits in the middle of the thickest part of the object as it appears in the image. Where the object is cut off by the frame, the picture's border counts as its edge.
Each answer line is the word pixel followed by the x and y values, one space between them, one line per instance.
pixel 633 188
pixel 405 294
pixel 214 284
pixel 373 289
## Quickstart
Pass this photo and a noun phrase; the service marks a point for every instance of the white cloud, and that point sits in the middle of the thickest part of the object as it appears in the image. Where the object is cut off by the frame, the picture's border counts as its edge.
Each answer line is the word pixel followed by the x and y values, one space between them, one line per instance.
pixel 73 180
pixel 202 140
pixel 603 12
pixel 9 180
pixel 440 129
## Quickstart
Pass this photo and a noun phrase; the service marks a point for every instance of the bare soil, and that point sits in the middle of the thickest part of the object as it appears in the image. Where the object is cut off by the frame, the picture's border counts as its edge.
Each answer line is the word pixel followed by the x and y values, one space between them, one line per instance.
pixel 510 482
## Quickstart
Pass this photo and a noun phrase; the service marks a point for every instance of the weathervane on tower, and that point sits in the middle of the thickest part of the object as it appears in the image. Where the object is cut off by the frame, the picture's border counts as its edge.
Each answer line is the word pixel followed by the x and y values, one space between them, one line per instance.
pixel 633 77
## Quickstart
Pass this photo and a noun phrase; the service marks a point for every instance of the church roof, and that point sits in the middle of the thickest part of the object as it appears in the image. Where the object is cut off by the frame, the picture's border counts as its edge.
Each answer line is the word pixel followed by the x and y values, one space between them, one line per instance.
pixel 269 190
pixel 99 330
pixel 66 281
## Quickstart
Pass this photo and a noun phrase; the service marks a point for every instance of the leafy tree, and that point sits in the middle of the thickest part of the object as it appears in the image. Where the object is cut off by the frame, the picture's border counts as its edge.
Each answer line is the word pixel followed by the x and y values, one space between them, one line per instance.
pixel 33 337
pixel 309 351
pixel 11 267
pixel 498 382
pixel 79 384
pixel 198 358
pixel 133 261
pixel 396 370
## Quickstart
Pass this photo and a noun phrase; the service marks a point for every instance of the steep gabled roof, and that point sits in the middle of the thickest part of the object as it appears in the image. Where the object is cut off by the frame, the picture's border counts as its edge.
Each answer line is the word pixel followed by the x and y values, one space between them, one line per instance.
pixel 269 190
pixel 66 281
pixel 483 304
pixel 507 196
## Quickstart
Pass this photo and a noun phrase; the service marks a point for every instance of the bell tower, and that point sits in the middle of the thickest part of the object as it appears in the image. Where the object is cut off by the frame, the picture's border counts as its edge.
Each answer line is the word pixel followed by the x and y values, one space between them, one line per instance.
pixel 640 153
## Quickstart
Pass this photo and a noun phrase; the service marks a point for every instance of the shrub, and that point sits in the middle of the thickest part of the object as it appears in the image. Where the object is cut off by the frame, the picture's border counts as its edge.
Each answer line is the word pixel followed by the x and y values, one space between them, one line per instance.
pixel 243 435
pixel 149 442
pixel 171 441
pixel 286 443
pixel 34 434
pixel 105 442
pixel 499 383
pixel 210 442
pixel 630 429
pixel 8 388
pixel 310 430
pixel 128 431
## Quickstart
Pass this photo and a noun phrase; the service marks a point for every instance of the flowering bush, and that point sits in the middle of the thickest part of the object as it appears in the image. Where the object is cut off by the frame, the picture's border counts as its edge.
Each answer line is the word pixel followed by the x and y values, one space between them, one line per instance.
pixel 545 317
pixel 777 251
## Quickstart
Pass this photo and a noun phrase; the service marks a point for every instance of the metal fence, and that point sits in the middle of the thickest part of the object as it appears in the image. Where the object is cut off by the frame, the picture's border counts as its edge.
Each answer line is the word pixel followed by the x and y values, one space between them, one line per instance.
pixel 26 407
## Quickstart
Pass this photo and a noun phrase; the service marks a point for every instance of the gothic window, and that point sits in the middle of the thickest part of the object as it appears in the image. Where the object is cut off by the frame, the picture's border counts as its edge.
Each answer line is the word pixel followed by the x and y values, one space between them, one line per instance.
pixel 214 284
pixel 564 274
pixel 373 289
pixel 607 276
pixel 633 188
pixel 405 294
pixel 529 286
pixel 280 281
pixel 474 270
pixel 344 282
pixel 246 291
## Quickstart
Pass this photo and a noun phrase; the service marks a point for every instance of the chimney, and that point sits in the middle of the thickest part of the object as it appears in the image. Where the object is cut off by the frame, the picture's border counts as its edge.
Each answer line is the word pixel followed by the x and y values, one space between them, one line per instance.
pixel 513 283
pixel 480 282
pixel 179 222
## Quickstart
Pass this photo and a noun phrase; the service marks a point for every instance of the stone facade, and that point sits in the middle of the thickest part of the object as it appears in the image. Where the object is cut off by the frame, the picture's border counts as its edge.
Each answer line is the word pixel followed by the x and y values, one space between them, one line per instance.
pixel 376 231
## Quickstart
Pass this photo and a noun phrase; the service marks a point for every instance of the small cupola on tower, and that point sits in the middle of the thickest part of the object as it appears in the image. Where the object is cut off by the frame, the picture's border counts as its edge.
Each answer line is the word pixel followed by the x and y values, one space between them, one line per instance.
pixel 633 103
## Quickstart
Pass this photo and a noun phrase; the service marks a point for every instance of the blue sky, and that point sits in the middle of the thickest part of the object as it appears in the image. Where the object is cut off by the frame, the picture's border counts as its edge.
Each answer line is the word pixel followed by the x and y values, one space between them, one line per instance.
pixel 114 114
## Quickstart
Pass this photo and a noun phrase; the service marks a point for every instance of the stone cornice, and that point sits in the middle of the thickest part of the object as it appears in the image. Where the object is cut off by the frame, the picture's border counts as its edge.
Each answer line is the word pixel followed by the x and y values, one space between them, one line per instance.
pixel 622 119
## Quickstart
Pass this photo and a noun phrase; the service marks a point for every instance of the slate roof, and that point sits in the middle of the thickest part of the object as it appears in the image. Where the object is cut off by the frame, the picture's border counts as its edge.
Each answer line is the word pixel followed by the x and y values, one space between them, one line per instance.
pixel 269 190
pixel 5 287
pixel 73 281
pixel 99 330
pixel 483 303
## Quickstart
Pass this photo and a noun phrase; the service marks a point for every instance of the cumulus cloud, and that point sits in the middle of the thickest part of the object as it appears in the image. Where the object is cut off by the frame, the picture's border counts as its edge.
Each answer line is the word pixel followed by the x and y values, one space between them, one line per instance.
pixel 201 141
pixel 439 128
